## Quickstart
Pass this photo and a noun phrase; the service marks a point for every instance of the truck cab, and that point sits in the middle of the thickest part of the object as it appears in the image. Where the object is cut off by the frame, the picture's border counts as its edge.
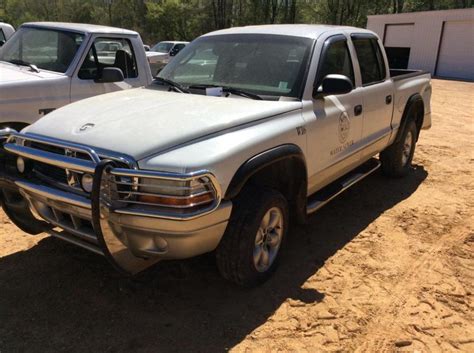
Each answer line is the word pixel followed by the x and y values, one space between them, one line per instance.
pixel 45 66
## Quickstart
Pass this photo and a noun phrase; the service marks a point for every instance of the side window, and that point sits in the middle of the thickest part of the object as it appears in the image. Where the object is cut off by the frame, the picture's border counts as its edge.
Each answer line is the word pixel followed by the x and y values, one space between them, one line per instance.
pixel 336 60
pixel 372 66
pixel 178 47
pixel 109 52
pixel 2 36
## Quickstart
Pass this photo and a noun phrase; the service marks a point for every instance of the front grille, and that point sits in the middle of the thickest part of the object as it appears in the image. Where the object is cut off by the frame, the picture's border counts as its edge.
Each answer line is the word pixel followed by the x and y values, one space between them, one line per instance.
pixel 58 150
pixel 51 172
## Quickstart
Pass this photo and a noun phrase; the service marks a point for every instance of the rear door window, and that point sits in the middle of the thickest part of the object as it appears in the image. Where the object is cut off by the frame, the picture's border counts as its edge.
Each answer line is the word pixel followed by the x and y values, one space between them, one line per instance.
pixel 371 63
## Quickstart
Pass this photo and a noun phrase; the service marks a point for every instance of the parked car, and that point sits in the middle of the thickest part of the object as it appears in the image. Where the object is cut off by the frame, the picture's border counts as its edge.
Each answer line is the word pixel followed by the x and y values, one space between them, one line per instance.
pixel 45 66
pixel 161 54
pixel 220 156
pixel 6 31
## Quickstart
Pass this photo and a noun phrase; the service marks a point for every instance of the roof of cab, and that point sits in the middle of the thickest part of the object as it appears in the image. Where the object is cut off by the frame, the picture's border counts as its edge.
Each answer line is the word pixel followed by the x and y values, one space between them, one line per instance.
pixel 80 27
pixel 297 30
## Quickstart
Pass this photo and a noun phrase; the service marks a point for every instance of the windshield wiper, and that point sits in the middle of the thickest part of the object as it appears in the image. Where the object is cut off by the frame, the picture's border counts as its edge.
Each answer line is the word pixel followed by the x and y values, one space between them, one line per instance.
pixel 24 63
pixel 227 89
pixel 176 86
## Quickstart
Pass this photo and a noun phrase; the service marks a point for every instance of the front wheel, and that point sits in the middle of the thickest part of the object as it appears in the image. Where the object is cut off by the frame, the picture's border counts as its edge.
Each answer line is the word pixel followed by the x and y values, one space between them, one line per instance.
pixel 396 159
pixel 16 208
pixel 250 249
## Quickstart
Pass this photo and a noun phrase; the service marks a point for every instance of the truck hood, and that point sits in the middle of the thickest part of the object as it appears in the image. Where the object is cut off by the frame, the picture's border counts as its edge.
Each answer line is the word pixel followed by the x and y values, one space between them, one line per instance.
pixel 10 73
pixel 145 121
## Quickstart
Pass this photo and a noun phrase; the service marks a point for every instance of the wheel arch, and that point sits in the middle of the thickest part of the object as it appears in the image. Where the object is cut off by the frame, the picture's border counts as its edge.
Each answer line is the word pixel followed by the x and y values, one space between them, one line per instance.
pixel 282 168
pixel 414 109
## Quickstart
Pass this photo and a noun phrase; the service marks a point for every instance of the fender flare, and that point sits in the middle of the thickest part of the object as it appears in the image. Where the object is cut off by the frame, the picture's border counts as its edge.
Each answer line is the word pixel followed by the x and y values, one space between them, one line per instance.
pixel 259 162
pixel 411 102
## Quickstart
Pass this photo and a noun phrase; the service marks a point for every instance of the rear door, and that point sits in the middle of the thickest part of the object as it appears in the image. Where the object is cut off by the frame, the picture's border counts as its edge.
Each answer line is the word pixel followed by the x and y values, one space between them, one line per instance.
pixel 377 90
pixel 105 51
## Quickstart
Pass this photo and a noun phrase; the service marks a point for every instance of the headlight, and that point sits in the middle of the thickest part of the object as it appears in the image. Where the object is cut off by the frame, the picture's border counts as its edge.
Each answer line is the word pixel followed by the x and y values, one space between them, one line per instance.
pixel 166 193
pixel 87 182
pixel 175 194
pixel 20 164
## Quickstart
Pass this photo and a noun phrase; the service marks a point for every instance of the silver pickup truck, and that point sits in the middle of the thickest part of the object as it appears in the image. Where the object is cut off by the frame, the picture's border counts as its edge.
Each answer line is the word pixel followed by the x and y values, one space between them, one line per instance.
pixel 246 130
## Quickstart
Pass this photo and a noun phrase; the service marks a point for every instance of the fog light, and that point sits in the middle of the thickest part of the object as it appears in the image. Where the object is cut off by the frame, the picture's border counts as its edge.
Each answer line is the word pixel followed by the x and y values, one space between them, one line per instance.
pixel 20 164
pixel 86 182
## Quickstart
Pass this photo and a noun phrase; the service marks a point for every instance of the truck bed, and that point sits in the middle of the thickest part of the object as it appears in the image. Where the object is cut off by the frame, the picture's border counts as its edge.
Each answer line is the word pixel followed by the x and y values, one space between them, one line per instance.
pixel 400 74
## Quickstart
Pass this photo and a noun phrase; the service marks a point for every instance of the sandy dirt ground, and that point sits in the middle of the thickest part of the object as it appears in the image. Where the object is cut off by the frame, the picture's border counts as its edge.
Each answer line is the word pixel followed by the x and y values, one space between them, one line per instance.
pixel 386 267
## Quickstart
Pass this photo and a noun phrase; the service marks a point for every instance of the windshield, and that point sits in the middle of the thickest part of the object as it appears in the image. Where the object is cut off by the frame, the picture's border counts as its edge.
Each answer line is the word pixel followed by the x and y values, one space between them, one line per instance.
pixel 271 65
pixel 162 47
pixel 46 48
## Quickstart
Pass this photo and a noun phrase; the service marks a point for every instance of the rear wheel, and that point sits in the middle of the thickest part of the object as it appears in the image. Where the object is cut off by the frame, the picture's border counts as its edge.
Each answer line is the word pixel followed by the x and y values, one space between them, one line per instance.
pixel 250 249
pixel 396 159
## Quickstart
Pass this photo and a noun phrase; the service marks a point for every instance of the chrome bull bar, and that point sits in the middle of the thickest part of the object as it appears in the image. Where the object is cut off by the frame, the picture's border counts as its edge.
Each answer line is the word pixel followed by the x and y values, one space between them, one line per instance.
pixel 113 248
pixel 125 254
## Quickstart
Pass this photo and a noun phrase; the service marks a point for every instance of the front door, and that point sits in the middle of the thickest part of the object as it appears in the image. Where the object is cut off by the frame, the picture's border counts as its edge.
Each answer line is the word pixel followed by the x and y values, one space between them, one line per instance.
pixel 335 125
pixel 105 52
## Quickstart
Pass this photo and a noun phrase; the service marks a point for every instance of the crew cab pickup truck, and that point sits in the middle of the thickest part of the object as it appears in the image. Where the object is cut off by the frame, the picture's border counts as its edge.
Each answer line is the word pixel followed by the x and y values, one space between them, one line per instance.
pixel 44 66
pixel 219 157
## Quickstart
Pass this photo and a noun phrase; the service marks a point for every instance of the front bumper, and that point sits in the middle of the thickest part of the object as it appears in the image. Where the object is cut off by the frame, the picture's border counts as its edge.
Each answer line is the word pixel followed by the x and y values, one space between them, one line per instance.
pixel 130 241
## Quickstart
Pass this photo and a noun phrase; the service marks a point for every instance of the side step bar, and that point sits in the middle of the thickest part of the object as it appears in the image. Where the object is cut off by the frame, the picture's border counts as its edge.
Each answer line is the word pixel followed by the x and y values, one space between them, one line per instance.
pixel 323 196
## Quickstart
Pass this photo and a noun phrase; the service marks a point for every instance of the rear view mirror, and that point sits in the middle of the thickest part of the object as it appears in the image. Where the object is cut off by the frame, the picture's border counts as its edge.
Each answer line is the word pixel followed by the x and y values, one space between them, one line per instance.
pixel 110 74
pixel 333 85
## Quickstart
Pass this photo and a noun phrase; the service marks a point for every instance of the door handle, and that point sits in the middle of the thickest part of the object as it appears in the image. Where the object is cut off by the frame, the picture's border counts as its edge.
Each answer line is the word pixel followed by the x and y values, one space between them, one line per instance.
pixel 358 110
pixel 388 99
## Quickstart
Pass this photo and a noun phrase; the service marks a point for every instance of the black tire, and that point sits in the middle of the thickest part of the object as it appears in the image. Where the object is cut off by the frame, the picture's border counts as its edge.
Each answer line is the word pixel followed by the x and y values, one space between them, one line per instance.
pixel 235 253
pixel 16 208
pixel 395 161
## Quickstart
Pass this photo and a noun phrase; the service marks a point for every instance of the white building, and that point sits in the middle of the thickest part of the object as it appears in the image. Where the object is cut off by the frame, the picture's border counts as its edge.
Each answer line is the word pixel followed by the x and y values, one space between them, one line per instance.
pixel 440 42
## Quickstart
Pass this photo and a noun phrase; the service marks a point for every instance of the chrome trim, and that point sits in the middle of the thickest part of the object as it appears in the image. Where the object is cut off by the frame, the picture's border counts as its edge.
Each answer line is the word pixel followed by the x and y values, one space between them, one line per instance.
pixel 76 241
pixel 50 158
pixel 95 153
pixel 54 194
pixel 5 133
pixel 168 176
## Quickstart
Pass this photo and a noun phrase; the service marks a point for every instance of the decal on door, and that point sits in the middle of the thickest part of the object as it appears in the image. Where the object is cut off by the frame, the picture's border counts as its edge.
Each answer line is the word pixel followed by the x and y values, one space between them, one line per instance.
pixel 344 127
pixel 343 132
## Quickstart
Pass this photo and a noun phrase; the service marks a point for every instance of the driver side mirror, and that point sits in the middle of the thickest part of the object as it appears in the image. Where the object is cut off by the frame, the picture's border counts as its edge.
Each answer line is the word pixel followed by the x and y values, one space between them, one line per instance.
pixel 2 42
pixel 110 75
pixel 333 85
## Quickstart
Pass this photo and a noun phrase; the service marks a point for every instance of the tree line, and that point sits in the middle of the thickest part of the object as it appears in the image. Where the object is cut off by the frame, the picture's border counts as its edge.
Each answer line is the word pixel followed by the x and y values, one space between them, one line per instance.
pixel 186 19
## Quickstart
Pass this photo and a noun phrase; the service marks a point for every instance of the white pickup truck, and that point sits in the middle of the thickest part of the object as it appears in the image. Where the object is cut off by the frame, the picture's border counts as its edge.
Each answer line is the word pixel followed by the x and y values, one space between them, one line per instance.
pixel 44 66
pixel 161 54
pixel 219 154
